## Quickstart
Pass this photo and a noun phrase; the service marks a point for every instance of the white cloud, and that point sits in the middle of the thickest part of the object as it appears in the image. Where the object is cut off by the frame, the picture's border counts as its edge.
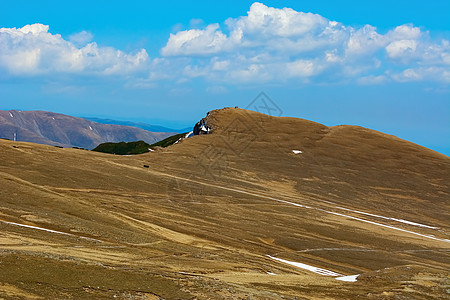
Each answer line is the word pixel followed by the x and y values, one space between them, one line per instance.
pixel 266 45
pixel 279 44
pixel 220 65
pixel 372 79
pixel 195 42
pixel 34 29
pixel 401 48
pixel 301 68
pixel 81 38
pixel 194 23
pixel 407 31
pixel 363 41
pixel 423 73
pixel 266 21
pixel 33 50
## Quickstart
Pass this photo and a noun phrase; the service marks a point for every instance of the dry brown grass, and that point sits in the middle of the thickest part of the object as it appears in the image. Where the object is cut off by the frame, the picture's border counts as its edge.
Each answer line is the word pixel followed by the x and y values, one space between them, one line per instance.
pixel 200 221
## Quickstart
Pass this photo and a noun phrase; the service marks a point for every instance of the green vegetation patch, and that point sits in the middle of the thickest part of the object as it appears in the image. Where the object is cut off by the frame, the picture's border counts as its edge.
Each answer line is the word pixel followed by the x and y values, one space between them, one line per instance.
pixel 169 141
pixel 138 147
pixel 123 148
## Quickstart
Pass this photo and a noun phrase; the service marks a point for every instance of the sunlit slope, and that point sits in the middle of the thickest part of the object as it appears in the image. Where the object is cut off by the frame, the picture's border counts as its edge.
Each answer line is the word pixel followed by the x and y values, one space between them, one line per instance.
pixel 348 164
pixel 232 214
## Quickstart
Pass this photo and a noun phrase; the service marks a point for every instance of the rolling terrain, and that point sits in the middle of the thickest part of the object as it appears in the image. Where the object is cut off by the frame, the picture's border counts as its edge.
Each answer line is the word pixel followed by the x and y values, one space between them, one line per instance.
pixel 260 208
pixel 66 131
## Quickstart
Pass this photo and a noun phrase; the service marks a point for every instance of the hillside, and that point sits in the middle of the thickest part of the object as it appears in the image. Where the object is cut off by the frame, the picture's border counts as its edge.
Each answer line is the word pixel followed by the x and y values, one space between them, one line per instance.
pixel 233 214
pixel 66 131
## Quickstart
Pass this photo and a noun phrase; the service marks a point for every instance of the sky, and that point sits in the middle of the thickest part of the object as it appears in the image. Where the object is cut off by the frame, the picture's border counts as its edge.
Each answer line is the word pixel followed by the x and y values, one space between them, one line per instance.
pixel 384 65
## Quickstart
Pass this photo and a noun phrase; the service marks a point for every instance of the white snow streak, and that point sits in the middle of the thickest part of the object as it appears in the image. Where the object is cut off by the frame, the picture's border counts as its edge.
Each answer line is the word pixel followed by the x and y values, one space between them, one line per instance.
pixel 11 115
pixel 414 223
pixel 350 278
pixel 388 218
pixel 49 230
pixel 320 271
pixel 90 128
pixel 387 226
pixel 338 214
pixel 297 151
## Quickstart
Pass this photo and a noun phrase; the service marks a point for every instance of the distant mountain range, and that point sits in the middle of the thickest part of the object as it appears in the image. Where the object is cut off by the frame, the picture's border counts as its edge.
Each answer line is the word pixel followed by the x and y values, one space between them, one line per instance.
pixel 145 126
pixel 66 131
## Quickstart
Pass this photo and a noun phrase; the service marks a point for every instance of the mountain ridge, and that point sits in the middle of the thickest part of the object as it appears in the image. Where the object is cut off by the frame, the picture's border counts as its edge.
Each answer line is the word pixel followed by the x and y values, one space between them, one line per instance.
pixel 259 207
pixel 67 131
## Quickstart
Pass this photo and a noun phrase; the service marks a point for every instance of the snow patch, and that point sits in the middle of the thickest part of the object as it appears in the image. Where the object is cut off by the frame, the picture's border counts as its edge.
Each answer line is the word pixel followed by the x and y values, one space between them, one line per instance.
pixel 179 140
pixel 49 230
pixel 350 278
pixel 320 271
pixel 11 115
pixel 151 150
pixel 270 273
pixel 53 118
pixel 189 134
pixel 90 128
pixel 297 151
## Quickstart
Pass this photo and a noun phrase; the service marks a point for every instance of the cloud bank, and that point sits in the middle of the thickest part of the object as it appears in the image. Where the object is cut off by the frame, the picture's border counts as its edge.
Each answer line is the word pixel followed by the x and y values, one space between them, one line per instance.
pixel 278 44
pixel 32 50
pixel 267 45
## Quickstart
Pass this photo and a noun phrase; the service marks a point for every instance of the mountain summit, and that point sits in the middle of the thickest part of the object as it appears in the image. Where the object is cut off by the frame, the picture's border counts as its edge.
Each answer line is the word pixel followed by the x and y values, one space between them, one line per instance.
pixel 258 207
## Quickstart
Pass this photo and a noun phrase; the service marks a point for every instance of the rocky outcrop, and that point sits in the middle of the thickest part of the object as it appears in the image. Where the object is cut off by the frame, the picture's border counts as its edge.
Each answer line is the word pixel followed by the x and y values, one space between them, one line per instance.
pixel 201 128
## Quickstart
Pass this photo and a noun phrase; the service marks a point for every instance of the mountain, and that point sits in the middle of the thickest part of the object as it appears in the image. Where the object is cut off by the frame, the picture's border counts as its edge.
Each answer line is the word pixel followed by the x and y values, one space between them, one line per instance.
pixel 259 207
pixel 145 126
pixel 66 131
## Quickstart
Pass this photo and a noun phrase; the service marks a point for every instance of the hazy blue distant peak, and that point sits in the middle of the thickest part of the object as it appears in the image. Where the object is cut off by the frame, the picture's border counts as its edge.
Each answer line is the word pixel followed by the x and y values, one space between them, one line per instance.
pixel 145 126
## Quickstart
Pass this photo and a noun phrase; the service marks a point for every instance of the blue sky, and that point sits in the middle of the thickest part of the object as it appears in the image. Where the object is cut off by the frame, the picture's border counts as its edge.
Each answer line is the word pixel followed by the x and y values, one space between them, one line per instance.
pixel 383 65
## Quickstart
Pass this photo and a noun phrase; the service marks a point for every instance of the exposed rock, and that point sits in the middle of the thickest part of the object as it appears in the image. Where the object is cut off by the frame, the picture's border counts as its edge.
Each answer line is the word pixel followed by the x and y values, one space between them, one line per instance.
pixel 201 128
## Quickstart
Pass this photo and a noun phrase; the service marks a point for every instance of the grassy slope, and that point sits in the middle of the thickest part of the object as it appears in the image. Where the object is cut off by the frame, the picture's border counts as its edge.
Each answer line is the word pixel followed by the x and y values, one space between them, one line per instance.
pixel 184 227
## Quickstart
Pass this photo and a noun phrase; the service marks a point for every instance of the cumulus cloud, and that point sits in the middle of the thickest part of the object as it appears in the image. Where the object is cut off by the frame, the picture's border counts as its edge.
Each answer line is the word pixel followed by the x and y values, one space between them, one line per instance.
pixel 33 50
pixel 280 44
pixel 267 45
pixel 195 42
